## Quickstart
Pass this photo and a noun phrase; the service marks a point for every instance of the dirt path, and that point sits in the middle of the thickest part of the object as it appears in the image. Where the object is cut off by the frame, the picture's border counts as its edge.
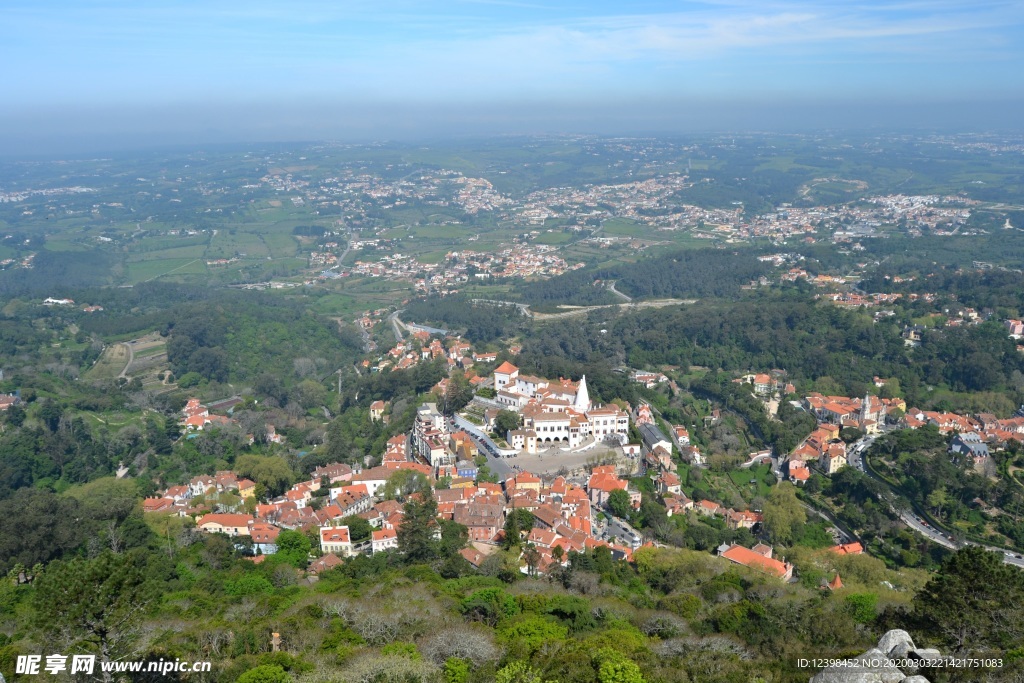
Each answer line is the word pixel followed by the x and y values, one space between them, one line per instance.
pixel 131 357
pixel 583 310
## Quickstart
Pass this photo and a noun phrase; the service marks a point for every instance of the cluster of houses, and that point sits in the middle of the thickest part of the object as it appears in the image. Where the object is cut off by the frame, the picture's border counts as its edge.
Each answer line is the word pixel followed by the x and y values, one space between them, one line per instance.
pixel 649 379
pixel 562 511
pixel 419 347
pixel 322 258
pixel 52 301
pixel 973 437
pixel 191 499
pixel 765 384
pixel 196 417
pixel 923 211
pixel 823 447
pixel 526 260
pixel 867 414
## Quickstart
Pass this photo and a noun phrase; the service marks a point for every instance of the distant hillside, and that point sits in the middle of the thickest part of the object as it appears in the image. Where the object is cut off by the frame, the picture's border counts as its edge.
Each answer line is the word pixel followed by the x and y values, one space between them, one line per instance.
pixel 56 272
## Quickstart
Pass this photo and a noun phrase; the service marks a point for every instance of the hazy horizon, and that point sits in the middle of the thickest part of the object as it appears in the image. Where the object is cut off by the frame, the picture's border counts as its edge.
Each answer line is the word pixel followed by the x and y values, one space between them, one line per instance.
pixel 88 76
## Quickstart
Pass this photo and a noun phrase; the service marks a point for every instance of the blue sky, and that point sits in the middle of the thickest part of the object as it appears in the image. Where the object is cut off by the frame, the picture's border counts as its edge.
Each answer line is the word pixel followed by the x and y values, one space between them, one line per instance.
pixel 218 56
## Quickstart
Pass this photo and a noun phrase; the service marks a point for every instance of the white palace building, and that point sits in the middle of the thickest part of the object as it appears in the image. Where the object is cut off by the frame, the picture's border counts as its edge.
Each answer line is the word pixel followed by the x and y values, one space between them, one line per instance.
pixel 555 412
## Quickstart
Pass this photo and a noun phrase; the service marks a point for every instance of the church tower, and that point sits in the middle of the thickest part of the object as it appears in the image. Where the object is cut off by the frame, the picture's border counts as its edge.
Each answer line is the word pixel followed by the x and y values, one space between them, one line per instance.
pixel 865 408
pixel 582 402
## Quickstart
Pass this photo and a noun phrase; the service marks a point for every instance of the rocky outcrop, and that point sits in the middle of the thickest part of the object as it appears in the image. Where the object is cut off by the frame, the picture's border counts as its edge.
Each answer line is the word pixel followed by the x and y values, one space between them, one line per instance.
pixel 878 665
pixel 896 643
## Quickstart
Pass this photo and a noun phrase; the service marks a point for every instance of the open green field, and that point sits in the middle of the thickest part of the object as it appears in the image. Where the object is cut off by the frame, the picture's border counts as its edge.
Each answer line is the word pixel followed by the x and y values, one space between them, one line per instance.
pixel 432 256
pixel 151 244
pixel 784 164
pixel 459 232
pixel 110 363
pixel 143 271
pixel 182 252
pixel 281 244
pixel 226 244
pixel 286 212
pixel 553 238
pixel 760 474
pixel 338 304
pixel 151 351
pixel 115 422
pixel 622 227
pixel 66 244
pixel 375 286
pixel 487 291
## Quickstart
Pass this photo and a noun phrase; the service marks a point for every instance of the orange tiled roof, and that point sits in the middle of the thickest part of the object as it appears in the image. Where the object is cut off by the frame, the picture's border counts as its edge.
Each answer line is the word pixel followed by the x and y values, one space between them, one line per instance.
pixel 749 558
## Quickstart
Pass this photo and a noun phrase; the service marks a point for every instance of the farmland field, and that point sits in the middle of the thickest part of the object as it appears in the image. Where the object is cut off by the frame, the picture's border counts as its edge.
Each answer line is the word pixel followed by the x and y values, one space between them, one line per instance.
pixel 143 271
pixel 110 363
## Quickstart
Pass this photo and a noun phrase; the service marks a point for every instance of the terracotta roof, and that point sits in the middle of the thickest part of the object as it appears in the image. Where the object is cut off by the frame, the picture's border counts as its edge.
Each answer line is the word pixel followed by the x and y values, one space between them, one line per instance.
pixel 335 534
pixel 156 504
pixel 848 549
pixel 322 564
pixel 473 556
pixel 263 533
pixel 749 558
pixel 226 519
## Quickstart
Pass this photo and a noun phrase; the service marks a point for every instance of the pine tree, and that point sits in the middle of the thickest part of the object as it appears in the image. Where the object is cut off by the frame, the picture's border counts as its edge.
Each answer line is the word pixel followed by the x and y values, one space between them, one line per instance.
pixel 416 533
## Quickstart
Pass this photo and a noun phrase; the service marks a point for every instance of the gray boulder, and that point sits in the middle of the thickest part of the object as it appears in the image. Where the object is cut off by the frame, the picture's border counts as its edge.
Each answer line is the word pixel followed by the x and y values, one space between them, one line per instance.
pixel 896 638
pixel 877 665
pixel 871 667
pixel 902 650
pixel 925 654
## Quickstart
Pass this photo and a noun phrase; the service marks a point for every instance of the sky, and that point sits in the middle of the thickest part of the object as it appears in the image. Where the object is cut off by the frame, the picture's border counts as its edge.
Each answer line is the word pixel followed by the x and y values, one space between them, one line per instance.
pixel 86 70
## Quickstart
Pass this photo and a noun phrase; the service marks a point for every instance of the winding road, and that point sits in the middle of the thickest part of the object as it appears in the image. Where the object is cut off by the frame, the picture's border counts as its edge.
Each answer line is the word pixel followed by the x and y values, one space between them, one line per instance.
pixel 912 519
pixel 131 358
pixel 611 288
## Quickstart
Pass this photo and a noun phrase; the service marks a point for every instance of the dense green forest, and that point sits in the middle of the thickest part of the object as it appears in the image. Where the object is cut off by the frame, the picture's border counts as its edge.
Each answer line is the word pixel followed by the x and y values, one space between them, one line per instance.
pixel 823 348
pixel 223 341
pixel 58 273
pixel 693 273
pixel 481 322
pixel 1000 291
